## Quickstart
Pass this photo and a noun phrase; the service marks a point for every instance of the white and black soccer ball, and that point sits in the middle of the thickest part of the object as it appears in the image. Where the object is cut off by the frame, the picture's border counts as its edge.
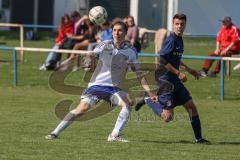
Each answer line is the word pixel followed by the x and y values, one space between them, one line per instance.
pixel 98 15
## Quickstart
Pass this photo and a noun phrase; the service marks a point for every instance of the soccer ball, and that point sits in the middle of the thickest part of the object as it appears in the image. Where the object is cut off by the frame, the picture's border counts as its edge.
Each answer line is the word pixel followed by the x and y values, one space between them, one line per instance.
pixel 98 15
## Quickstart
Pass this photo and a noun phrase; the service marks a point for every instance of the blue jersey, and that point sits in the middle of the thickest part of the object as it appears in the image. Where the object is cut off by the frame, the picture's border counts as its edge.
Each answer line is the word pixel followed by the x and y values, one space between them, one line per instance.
pixel 172 51
pixel 171 91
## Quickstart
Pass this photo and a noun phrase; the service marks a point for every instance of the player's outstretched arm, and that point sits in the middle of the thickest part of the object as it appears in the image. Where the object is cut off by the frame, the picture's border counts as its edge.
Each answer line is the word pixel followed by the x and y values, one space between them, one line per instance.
pixel 190 70
pixel 140 76
pixel 175 71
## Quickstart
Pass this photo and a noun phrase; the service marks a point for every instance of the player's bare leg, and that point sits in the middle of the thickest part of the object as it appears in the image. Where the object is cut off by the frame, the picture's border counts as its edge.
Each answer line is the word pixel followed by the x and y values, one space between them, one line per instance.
pixel 82 108
pixel 122 100
pixel 195 121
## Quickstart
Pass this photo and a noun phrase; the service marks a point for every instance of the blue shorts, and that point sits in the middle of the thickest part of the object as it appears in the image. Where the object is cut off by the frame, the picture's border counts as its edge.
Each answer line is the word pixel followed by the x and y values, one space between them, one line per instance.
pixel 101 92
pixel 179 96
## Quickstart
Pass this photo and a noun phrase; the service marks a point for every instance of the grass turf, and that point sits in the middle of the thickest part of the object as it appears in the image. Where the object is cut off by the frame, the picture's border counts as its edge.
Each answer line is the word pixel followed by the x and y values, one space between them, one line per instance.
pixel 28 113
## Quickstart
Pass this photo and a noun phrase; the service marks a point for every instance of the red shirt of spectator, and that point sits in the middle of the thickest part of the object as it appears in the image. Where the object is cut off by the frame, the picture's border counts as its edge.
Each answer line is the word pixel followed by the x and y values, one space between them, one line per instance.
pixel 228 35
pixel 64 31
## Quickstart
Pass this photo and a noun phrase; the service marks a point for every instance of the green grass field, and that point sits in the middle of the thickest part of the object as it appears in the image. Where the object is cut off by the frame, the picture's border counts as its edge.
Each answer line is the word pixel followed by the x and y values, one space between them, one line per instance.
pixel 27 114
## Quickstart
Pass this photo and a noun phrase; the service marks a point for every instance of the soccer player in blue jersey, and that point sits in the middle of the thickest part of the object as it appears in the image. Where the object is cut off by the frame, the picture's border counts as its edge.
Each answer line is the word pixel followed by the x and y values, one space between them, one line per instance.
pixel 114 58
pixel 171 91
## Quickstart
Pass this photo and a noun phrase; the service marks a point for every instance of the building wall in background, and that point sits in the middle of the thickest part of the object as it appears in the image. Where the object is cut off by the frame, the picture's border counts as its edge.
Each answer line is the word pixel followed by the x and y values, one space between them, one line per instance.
pixel 45 12
pixel 22 11
pixel 203 15
pixel 62 7
pixel 4 11
pixel 152 14
pixel 115 8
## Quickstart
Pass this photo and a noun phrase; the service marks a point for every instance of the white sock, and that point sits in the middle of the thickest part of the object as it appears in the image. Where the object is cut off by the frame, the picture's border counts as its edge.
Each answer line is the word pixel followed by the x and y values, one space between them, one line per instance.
pixel 67 121
pixel 121 121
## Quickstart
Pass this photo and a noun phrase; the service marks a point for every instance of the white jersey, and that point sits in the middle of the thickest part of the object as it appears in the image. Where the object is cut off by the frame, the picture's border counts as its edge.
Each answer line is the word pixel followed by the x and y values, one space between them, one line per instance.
pixel 112 64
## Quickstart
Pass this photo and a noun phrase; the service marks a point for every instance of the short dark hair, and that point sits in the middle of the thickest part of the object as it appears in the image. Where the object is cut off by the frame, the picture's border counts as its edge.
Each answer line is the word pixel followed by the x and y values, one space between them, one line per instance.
pixel 121 23
pixel 180 16
pixel 75 14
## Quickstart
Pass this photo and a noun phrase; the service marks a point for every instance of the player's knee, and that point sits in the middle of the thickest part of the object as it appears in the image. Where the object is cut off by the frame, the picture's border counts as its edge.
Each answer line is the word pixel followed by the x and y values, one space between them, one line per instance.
pixel 82 108
pixel 121 99
pixel 191 108
pixel 194 111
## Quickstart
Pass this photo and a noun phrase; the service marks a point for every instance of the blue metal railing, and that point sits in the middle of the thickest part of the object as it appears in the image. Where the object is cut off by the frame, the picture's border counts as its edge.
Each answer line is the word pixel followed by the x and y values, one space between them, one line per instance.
pixel 15 68
pixel 14 59
pixel 222 74
pixel 184 56
pixel 39 26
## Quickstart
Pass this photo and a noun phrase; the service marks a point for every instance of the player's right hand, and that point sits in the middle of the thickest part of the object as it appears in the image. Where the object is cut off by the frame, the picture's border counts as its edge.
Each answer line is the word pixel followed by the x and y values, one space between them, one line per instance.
pixel 182 77
pixel 224 52
pixel 154 98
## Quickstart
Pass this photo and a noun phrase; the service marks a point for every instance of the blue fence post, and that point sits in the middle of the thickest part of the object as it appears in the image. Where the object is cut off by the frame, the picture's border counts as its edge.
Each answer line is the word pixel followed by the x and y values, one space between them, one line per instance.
pixel 15 76
pixel 222 80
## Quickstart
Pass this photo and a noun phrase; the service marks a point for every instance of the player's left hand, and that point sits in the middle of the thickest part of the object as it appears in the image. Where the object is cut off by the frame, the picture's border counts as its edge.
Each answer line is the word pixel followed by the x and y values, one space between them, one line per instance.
pixel 108 48
pixel 194 73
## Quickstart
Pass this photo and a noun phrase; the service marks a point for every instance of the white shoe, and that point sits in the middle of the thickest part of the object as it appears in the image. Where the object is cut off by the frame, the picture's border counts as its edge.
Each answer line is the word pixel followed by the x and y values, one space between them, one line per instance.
pixel 51 137
pixel 43 68
pixel 87 69
pixel 202 73
pixel 237 67
pixel 75 68
pixel 118 139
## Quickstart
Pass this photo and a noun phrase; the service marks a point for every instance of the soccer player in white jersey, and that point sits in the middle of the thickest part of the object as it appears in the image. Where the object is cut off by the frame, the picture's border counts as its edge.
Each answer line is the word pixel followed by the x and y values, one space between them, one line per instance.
pixel 114 57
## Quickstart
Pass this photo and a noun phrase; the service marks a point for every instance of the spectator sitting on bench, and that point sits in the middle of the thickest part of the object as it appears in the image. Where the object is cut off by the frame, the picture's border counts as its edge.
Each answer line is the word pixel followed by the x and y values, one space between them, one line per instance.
pixel 132 33
pixel 85 35
pixel 65 29
pixel 227 44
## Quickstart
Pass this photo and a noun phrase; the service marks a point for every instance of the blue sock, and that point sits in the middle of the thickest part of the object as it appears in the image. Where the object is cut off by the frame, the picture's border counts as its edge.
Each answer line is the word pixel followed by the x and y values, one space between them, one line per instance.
pixel 196 126
pixel 156 107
